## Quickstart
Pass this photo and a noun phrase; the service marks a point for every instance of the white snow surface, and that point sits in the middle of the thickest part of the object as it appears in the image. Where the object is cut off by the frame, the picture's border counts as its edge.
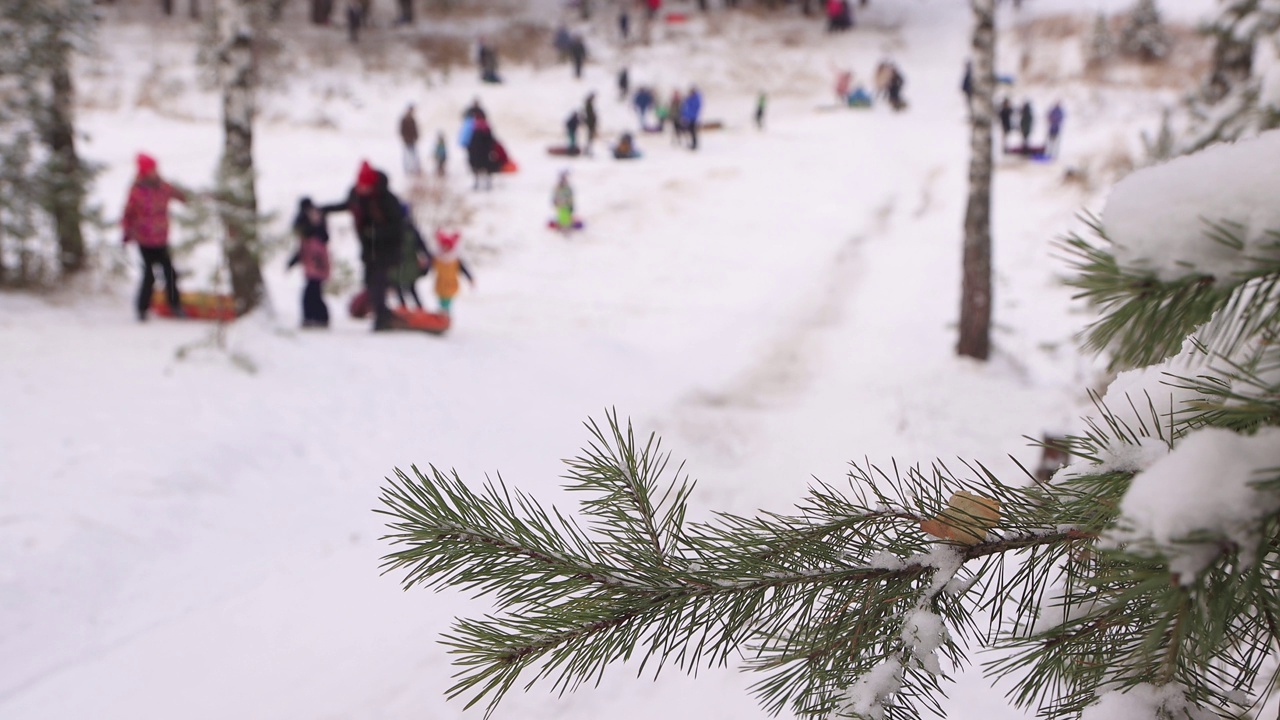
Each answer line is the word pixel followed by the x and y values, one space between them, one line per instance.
pixel 181 538
pixel 1160 218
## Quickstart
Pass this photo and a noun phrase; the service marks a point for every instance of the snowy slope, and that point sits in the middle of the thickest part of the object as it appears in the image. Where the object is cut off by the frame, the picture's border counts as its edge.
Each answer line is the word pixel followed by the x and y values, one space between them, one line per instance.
pixel 182 538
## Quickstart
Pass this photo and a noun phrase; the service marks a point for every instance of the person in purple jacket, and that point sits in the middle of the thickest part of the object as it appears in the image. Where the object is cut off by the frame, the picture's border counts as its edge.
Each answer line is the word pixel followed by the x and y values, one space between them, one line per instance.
pixel 1056 116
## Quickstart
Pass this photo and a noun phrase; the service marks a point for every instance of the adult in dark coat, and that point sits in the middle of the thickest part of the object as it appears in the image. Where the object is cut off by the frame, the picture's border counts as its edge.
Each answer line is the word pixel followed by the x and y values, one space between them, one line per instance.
pixel 590 121
pixel 379 224
pixel 578 54
pixel 1006 121
pixel 1025 122
pixel 481 153
pixel 387 221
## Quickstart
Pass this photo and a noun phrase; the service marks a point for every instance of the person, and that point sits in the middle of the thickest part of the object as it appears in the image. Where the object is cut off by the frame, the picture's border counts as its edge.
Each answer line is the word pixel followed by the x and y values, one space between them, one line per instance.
pixel 673 114
pixel 387 240
pixel 624 24
pixel 355 16
pixel 626 148
pixel 379 225
pixel 480 153
pixel 448 265
pixel 562 201
pixel 844 82
pixel 1056 116
pixel 146 222
pixel 406 12
pixel 415 259
pixel 642 101
pixel 571 129
pixel 1006 122
pixel 690 113
pixel 488 61
pixel 966 83
pixel 896 83
pixel 441 154
pixel 562 41
pixel 409 135
pixel 1026 120
pixel 578 53
pixel 313 253
pixel 590 121
pixel 761 100
pixel 624 85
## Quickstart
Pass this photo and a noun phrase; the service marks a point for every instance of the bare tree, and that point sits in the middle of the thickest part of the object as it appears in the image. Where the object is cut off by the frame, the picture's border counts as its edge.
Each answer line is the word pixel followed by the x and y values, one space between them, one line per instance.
pixel 237 194
pixel 975 293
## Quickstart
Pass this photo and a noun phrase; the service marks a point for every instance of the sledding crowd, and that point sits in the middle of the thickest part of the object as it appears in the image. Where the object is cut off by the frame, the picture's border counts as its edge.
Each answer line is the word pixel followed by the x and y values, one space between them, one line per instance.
pixel 395 254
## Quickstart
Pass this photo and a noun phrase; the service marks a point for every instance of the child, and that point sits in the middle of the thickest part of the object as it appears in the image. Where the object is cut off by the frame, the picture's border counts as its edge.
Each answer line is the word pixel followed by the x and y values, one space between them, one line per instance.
pixel 562 201
pixel 313 252
pixel 441 154
pixel 761 101
pixel 414 261
pixel 626 148
pixel 448 265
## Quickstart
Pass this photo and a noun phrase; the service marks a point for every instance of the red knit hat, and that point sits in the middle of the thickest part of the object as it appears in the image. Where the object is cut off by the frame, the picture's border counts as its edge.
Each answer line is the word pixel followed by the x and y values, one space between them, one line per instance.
pixel 447 240
pixel 367 177
pixel 146 164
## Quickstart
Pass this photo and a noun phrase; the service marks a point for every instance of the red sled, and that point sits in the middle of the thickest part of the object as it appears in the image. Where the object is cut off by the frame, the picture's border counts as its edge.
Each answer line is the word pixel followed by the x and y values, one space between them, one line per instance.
pixel 676 18
pixel 563 151
pixel 197 306
pixel 553 225
pixel 420 320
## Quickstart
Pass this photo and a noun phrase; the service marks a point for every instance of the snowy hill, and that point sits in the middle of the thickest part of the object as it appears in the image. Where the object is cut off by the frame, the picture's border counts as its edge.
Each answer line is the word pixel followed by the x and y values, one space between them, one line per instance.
pixel 187 532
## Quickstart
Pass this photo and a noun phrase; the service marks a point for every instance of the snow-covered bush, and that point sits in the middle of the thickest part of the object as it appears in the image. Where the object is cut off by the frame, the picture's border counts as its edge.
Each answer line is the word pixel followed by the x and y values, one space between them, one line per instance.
pixel 1141 582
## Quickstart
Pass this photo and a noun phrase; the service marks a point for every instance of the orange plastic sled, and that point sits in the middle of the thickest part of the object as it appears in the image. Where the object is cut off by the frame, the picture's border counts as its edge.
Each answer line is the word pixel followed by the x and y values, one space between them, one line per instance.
pixel 197 305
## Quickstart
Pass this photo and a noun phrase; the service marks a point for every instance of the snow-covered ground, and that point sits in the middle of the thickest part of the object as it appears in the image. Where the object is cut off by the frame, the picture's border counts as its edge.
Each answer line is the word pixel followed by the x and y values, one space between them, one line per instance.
pixel 187 536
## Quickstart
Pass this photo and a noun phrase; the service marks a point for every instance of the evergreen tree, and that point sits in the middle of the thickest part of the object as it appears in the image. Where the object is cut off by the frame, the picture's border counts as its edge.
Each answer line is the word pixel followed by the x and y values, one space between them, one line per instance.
pixel 1230 103
pixel 43 181
pixel 1145 573
pixel 1102 42
pixel 1144 36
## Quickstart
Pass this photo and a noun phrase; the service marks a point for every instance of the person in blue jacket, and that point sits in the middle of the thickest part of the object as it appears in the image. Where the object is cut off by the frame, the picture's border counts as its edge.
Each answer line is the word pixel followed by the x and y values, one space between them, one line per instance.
pixel 690 109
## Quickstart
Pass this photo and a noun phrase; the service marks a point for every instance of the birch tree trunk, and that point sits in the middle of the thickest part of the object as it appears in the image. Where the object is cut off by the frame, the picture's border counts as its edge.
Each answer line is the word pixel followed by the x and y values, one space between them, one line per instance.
pixel 237 195
pixel 975 289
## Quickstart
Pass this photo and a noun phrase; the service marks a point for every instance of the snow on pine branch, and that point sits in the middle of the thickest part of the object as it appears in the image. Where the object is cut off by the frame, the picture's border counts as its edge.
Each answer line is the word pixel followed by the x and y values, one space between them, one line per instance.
pixel 1161 218
pixel 1206 486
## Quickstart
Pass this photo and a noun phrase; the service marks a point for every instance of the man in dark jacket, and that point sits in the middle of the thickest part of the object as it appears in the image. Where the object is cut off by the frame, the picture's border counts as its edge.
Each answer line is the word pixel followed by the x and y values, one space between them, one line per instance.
pixel 1025 122
pixel 481 153
pixel 387 221
pixel 409 135
pixel 379 224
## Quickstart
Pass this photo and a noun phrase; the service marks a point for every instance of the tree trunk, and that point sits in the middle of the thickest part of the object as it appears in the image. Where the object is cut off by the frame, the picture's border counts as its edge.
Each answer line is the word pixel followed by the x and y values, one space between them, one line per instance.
pixel 65 197
pixel 975 291
pixel 237 196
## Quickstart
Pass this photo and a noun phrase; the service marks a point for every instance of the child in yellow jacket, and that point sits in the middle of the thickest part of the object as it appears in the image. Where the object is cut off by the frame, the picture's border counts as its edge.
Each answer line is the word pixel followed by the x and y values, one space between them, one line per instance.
pixel 448 265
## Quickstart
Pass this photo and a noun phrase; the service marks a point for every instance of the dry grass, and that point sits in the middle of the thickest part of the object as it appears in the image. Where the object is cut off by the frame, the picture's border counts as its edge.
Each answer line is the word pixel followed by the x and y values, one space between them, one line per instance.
pixel 1187 63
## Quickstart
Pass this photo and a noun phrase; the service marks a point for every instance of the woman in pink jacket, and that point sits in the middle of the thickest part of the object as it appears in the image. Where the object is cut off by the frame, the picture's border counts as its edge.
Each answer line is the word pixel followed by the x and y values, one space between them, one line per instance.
pixel 146 222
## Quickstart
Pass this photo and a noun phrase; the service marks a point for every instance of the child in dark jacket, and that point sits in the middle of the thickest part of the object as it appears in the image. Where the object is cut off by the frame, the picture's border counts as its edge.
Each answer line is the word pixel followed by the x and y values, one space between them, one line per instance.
pixel 313 253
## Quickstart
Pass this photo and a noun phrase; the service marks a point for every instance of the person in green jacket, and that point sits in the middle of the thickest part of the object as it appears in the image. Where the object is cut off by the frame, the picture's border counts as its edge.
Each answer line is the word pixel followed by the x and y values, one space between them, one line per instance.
pixel 415 259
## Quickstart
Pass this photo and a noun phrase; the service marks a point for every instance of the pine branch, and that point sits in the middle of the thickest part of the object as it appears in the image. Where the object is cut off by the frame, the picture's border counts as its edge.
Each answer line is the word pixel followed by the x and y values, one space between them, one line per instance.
pixel 1145 320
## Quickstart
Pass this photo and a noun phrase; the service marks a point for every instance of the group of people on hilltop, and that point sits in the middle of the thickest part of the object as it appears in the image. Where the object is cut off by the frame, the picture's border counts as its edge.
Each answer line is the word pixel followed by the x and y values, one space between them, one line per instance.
pixel 1026 124
pixel 683 112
